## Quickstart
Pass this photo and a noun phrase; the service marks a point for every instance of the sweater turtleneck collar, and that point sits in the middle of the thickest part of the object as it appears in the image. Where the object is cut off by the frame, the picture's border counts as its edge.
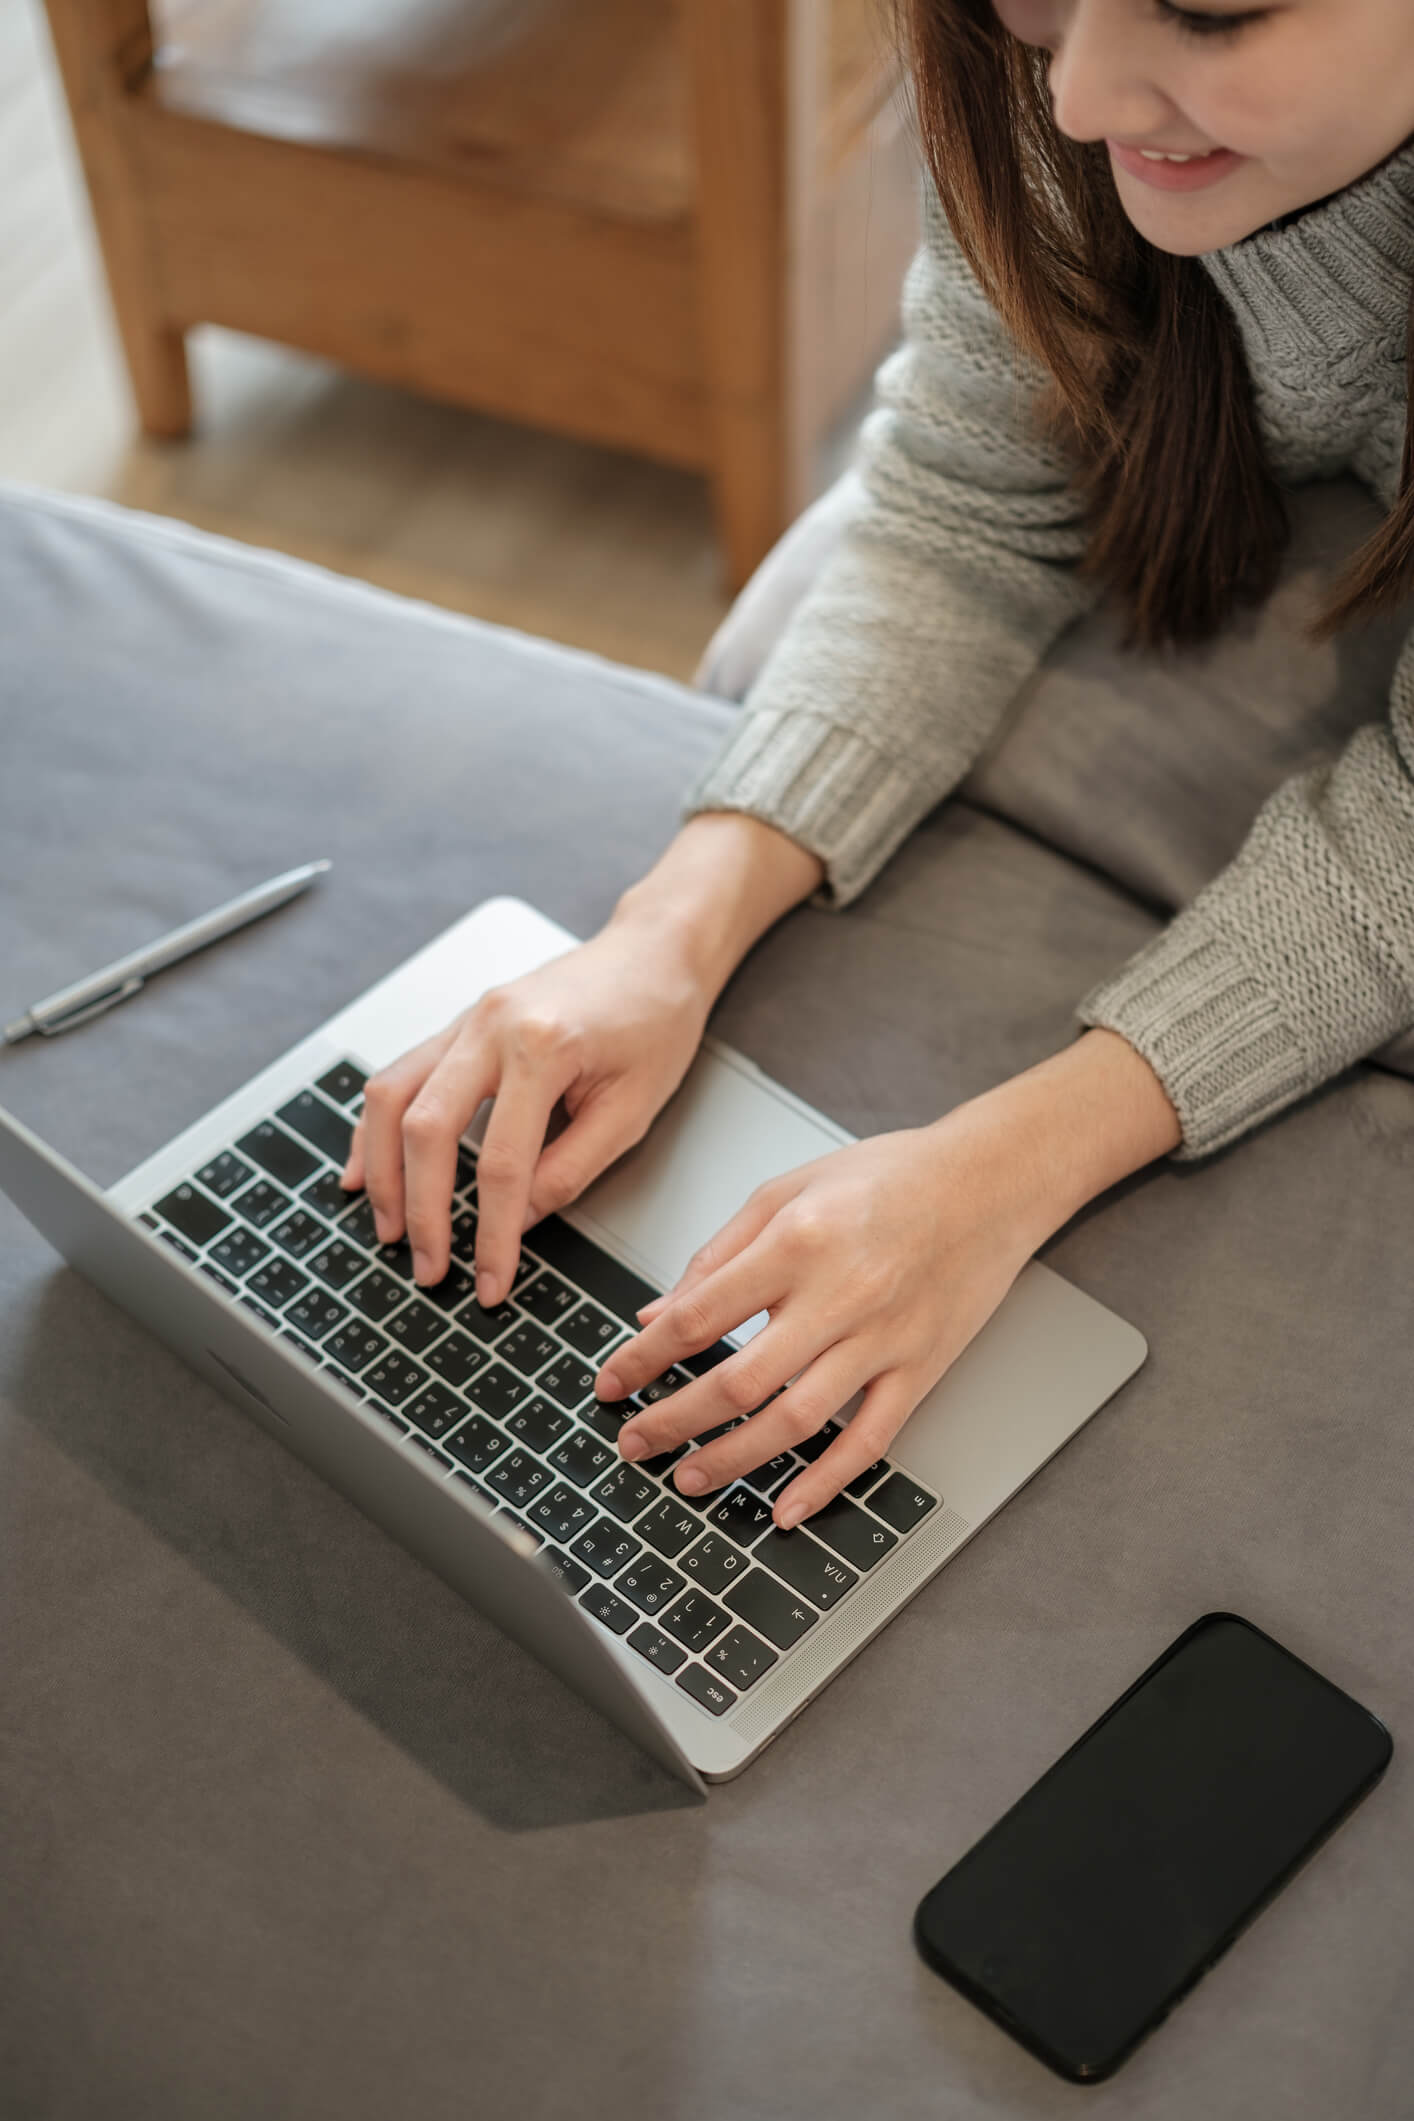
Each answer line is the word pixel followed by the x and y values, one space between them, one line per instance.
pixel 1335 282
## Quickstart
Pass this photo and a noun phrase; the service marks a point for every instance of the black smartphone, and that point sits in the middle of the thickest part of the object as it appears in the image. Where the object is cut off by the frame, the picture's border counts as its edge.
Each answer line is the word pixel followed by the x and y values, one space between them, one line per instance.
pixel 1116 1881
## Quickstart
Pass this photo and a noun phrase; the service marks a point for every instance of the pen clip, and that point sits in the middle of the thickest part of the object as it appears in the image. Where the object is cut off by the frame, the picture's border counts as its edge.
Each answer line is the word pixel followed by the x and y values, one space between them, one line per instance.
pixel 75 1017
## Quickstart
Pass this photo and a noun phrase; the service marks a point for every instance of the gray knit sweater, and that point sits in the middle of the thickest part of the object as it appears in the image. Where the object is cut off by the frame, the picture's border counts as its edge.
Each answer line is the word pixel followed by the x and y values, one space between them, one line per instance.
pixel 959 573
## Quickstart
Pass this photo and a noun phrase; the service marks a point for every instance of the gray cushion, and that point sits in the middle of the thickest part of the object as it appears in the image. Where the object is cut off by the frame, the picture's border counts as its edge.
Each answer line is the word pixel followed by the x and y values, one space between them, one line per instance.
pixel 288 1830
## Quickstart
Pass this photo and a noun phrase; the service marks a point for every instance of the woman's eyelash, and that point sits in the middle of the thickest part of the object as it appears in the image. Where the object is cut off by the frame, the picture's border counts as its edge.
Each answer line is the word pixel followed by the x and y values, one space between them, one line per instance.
pixel 1192 24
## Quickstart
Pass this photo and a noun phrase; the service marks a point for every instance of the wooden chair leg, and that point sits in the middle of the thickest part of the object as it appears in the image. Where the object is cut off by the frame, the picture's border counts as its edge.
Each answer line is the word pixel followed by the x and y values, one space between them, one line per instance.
pixel 754 67
pixel 104 47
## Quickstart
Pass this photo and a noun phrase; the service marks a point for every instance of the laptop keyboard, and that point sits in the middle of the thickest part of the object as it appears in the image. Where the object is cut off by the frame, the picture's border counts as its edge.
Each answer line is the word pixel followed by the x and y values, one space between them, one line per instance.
pixel 704 1588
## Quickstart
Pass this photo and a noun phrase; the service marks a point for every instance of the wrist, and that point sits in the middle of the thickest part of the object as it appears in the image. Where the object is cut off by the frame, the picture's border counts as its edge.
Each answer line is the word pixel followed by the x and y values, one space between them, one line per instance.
pixel 1068 1129
pixel 723 881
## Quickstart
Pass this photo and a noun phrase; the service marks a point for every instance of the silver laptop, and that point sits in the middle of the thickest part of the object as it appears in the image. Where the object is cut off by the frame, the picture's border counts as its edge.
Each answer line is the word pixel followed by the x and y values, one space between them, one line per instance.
pixel 475 1438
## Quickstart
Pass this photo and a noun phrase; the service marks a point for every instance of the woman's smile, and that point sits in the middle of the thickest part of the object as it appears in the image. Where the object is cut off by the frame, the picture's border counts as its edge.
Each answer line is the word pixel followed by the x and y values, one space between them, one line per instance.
pixel 1168 170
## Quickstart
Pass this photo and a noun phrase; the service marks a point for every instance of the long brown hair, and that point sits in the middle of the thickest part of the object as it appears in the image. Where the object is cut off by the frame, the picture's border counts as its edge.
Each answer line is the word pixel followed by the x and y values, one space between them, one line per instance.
pixel 1186 519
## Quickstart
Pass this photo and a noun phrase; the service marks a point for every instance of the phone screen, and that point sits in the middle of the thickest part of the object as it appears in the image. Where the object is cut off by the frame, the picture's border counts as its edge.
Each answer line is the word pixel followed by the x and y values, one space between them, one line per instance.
pixel 1104 1893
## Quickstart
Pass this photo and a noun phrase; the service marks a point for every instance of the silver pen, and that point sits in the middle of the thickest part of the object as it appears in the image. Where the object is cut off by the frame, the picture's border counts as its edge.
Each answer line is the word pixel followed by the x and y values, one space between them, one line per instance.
pixel 88 998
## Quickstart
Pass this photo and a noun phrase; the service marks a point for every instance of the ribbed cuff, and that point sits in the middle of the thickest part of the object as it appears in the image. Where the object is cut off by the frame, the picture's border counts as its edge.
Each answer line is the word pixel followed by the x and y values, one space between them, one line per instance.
pixel 1211 1030
pixel 833 792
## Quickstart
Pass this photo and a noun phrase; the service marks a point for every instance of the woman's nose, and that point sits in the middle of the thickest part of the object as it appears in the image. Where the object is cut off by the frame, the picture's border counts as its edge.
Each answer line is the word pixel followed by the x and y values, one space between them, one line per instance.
pixel 1099 87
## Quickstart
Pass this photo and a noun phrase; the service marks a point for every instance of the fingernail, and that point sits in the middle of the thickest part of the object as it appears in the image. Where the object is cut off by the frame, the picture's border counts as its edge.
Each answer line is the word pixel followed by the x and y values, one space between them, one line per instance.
pixel 631 1447
pixel 421 1267
pixel 609 1385
pixel 486 1289
pixel 691 1479
pixel 790 1515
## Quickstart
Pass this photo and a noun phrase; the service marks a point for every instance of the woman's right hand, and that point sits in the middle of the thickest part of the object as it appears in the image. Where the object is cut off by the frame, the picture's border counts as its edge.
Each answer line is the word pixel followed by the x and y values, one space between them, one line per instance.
pixel 610 1028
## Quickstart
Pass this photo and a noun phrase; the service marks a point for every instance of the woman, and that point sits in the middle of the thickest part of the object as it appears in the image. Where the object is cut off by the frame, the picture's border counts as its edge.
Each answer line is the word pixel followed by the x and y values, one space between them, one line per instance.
pixel 1167 270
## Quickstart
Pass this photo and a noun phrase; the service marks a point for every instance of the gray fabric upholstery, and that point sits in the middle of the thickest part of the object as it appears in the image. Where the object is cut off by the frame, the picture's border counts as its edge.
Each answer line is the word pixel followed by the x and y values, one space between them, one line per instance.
pixel 1150 768
pixel 289 1832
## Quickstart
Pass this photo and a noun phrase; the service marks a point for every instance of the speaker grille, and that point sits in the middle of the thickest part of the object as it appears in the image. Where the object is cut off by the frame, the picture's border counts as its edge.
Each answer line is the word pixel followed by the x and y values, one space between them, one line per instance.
pixel 835 1639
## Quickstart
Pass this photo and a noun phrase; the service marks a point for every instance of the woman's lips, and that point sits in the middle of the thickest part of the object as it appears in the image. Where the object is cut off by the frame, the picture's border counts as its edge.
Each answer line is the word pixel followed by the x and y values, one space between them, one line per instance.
pixel 1196 175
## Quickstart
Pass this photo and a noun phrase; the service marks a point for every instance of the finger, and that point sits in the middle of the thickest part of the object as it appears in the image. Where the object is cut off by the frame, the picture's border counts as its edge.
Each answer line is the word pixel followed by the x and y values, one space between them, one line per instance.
pixel 433 1126
pixel 697 1319
pixel 386 1097
pixel 886 1406
pixel 730 1391
pixel 602 1129
pixel 733 1237
pixel 819 1387
pixel 514 1138
pixel 351 1177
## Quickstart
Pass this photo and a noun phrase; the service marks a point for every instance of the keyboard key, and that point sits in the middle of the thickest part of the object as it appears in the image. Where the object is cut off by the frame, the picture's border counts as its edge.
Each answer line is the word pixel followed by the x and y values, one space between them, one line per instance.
pixel 178 1244
pixel 299 1234
pixel 278 1153
pixel 224 1175
pixel 487 1326
pixel 572 1574
pixel 466 1167
pixel 326 1196
pixel 808 1568
pixel 337 1264
pixel 416 1326
pixel 656 1648
pixel 455 1359
pixel 222 1281
pixel 660 1465
pixel 606 1416
pixel 240 1252
pixel 740 1657
pixel 695 1620
pixel 581 1458
pixel 567 1381
pixel 454 1288
pixel 317 1315
pixel 774 1474
pixel 527 1347
pixel 464 1237
pixel 396 1257
pixel 478 1443
pixel 476 1486
pixel 601 1602
pixel 577 1260
pixel 547 1298
pixel 663 1387
pixel 357 1225
pixel 262 1204
pixel 498 1391
pixel 394 1421
pixel 277 1283
pixel 198 1218
pixel 852 1533
pixel 355 1346
pixel 590 1331
pixel 707 1689
pixel 296 1340
pixel 813 1447
pixel 518 1477
pixel 712 1563
pixel 668 1528
pixel 376 1295
pixel 605 1547
pixel 425 1443
pixel 770 1608
pixel 902 1503
pixel 869 1478
pixel 560 1512
pixel 343 1083
pixel 624 1491
pixel 328 1130
pixel 435 1411
pixel 537 1424
pixel 650 1584
pixel 394 1378
pixel 741 1515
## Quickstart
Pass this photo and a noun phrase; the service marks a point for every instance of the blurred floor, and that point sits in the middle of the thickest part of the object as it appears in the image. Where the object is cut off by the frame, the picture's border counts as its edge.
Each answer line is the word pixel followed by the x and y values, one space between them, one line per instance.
pixel 580 544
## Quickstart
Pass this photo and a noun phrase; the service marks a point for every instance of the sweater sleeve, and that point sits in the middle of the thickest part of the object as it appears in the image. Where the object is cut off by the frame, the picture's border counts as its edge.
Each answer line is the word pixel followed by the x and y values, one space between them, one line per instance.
pixel 1298 959
pixel 955 577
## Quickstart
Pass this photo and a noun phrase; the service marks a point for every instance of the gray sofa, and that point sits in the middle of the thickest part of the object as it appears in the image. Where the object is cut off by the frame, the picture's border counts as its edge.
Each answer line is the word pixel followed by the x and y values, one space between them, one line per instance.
pixel 289 1830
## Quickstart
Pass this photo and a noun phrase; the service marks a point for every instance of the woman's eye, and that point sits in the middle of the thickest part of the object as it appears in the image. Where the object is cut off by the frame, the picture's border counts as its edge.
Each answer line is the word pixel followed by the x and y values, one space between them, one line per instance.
pixel 1192 23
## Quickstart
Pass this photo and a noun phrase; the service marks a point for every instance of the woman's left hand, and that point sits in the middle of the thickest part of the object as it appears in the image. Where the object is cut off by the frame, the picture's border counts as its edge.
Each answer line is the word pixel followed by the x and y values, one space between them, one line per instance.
pixel 876 1266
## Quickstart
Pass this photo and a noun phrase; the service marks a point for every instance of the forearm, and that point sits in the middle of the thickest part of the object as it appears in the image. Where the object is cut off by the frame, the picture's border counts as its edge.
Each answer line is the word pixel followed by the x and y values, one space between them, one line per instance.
pixel 716 889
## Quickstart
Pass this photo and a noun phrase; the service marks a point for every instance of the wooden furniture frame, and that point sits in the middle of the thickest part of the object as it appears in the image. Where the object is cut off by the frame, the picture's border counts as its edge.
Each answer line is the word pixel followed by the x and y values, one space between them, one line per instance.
pixel 674 226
